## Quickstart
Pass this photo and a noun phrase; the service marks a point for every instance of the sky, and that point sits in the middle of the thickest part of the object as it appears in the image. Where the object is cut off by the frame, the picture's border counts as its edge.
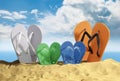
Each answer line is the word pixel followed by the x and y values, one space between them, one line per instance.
pixel 58 18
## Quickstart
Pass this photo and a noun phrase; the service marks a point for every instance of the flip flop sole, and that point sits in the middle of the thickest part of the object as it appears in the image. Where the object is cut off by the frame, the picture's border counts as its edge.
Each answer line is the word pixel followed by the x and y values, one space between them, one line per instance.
pixel 79 51
pixel 35 39
pixel 43 54
pixel 67 52
pixel 55 52
pixel 104 35
pixel 23 57
pixel 65 44
pixel 78 33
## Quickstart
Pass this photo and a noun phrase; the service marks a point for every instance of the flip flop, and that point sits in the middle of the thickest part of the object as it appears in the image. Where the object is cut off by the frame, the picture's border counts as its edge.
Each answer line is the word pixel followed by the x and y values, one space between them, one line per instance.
pixel 48 55
pixel 98 42
pixel 35 37
pixel 54 52
pixel 67 52
pixel 43 54
pixel 79 31
pixel 20 43
pixel 79 51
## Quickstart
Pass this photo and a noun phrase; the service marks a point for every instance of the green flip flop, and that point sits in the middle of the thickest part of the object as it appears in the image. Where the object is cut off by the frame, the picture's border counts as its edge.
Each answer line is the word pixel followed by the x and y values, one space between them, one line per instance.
pixel 54 52
pixel 43 54
pixel 48 55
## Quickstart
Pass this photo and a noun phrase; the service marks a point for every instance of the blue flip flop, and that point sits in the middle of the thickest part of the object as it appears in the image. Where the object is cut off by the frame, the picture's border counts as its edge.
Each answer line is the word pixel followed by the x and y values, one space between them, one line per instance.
pixel 67 52
pixel 72 54
pixel 79 51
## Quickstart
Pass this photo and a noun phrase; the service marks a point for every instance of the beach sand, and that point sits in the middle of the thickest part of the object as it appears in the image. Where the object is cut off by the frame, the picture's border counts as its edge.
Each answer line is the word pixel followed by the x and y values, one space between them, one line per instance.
pixel 108 70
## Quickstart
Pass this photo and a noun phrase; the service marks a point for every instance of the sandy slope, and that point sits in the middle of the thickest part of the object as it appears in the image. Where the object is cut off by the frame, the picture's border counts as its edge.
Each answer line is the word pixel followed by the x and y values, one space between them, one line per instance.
pixel 107 70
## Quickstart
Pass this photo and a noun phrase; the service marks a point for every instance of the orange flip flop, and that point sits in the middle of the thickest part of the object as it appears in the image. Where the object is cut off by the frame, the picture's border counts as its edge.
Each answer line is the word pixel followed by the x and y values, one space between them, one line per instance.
pixel 79 30
pixel 98 42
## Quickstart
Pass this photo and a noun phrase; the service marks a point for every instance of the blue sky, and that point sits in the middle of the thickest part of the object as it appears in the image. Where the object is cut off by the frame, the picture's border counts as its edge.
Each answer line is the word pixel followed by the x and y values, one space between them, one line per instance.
pixel 43 6
pixel 23 5
pixel 57 19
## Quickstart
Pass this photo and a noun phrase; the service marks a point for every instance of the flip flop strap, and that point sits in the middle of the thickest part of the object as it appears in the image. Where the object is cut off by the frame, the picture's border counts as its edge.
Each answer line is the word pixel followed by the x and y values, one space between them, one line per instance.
pixel 85 33
pixel 19 38
pixel 18 42
pixel 91 38
pixel 30 36
pixel 98 43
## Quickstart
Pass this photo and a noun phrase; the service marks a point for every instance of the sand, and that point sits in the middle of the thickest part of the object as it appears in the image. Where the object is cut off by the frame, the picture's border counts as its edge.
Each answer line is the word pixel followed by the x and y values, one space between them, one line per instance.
pixel 108 70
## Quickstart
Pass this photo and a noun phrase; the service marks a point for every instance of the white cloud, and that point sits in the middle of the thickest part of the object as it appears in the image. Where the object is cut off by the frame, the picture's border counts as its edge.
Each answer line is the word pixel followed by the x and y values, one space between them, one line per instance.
pixel 60 27
pixel 19 25
pixel 12 15
pixel 49 39
pixel 114 7
pixel 113 46
pixel 5 31
pixel 23 12
pixel 17 15
pixel 34 11
pixel 106 17
pixel 4 12
pixel 74 11
pixel 37 14
pixel 8 17
pixel 70 2
pixel 96 7
pixel 63 22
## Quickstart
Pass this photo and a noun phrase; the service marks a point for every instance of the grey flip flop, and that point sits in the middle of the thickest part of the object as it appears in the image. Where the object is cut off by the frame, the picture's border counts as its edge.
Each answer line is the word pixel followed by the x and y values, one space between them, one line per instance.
pixel 21 44
pixel 35 37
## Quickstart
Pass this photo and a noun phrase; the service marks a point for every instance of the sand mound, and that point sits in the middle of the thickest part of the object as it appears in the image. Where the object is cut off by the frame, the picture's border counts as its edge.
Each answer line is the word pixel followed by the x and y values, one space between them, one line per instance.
pixel 107 70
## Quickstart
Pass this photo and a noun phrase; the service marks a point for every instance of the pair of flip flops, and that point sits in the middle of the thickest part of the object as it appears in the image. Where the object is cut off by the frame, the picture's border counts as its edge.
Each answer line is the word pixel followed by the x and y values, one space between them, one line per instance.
pixel 46 55
pixel 94 39
pixel 25 43
pixel 72 54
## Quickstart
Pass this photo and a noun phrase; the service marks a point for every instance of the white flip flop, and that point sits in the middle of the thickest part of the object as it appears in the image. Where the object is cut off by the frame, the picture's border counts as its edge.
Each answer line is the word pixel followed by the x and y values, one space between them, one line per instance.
pixel 35 37
pixel 21 44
